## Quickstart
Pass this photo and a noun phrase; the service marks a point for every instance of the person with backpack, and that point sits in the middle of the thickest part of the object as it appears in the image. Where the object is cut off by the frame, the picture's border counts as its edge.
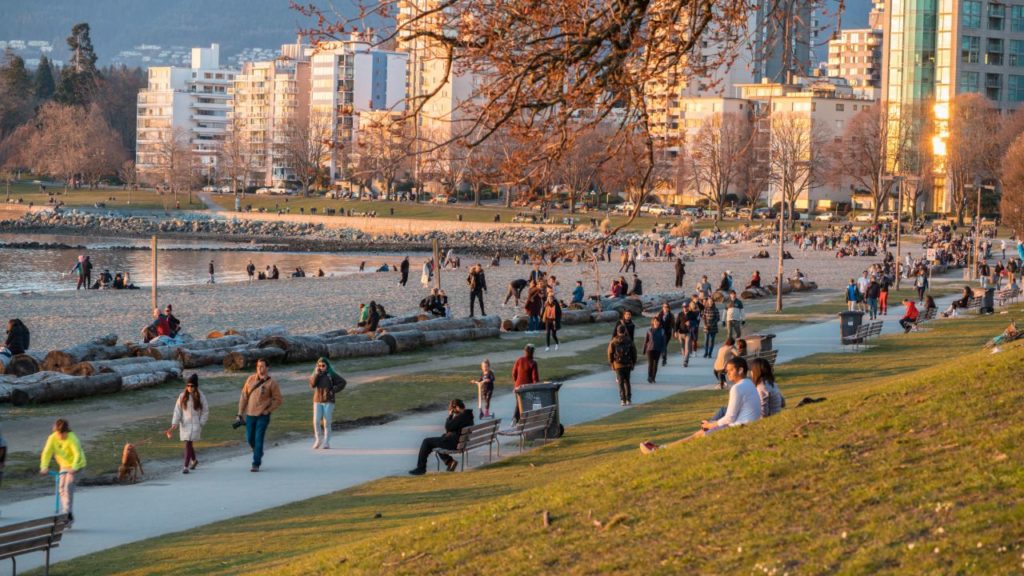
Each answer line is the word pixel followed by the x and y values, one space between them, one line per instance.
pixel 259 398
pixel 622 357
pixel 852 296
pixel 655 344
pixel 477 286
pixel 325 383
pixel 190 414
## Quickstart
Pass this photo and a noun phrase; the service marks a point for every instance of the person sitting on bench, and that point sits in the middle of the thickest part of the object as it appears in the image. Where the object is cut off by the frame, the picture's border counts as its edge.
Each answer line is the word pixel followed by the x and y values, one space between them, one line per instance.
pixel 910 316
pixel 458 418
pixel 961 304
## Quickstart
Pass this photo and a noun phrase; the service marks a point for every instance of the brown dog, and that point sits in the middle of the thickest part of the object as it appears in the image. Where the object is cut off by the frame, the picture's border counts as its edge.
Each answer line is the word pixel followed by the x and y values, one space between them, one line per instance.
pixel 131 467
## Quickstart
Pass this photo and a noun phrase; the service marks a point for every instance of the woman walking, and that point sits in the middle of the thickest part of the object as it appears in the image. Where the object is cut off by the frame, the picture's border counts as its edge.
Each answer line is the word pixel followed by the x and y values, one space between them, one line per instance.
pixel 190 414
pixel 687 325
pixel 325 383
pixel 655 345
pixel 710 318
pixel 550 318
pixel 63 446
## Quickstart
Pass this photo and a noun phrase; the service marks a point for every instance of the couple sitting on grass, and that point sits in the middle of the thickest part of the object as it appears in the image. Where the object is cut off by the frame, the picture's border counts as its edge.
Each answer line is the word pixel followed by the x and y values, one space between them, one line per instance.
pixel 750 399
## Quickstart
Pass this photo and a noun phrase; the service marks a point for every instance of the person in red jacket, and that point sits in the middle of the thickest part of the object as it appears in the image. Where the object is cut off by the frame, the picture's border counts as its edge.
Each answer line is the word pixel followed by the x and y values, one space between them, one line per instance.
pixel 910 316
pixel 524 371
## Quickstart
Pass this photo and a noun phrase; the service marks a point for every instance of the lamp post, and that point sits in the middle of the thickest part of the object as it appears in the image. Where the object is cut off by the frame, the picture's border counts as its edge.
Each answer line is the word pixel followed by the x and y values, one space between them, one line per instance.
pixel 976 266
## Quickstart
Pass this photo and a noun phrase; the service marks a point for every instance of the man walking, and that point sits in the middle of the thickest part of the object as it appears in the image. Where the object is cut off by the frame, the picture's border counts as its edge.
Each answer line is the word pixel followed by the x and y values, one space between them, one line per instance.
pixel 260 397
pixel 250 270
pixel 404 269
pixel 477 286
pixel 680 272
pixel 210 281
pixel 734 316
pixel 622 358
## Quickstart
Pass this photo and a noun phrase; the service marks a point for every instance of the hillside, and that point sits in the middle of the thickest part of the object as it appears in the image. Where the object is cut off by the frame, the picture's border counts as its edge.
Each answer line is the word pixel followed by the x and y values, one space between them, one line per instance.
pixel 906 469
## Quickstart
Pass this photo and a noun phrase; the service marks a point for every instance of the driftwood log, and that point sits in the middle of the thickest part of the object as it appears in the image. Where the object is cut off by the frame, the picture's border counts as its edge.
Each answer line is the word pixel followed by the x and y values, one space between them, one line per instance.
pixel 404 319
pixel 402 341
pixel 245 359
pixel 357 349
pixel 517 323
pixel 101 348
pixel 606 316
pixel 21 364
pixel 448 324
pixel 190 358
pixel 436 337
pixel 90 367
pixel 170 352
pixel 250 334
pixel 55 387
pixel 172 366
pixel 145 380
pixel 630 303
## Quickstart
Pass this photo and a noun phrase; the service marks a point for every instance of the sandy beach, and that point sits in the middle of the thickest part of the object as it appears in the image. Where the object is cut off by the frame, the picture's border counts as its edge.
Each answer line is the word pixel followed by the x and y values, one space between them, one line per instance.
pixel 306 305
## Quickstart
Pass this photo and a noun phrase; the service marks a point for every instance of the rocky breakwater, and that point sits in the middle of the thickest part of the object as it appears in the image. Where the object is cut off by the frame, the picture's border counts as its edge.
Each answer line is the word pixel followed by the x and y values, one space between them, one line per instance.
pixel 297 235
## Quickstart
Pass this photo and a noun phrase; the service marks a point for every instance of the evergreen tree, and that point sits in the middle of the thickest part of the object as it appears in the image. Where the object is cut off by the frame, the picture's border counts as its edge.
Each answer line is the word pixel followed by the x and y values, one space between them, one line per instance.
pixel 44 84
pixel 15 93
pixel 79 78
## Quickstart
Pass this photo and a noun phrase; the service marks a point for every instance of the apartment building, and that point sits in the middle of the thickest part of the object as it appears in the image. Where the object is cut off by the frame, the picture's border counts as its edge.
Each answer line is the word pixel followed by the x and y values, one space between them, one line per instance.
pixel 856 55
pixel 266 99
pixel 935 50
pixel 188 103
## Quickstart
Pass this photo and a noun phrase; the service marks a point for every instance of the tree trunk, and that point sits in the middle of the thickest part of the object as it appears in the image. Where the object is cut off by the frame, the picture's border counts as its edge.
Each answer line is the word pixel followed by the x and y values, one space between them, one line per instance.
pixel 146 380
pixel 402 341
pixel 21 364
pixel 246 359
pixel 101 348
pixel 55 387
pixel 90 367
pixel 199 358
pixel 357 349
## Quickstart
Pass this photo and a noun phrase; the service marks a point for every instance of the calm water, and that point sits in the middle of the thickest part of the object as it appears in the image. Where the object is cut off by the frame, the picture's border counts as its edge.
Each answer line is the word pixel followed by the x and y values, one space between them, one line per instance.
pixel 48 270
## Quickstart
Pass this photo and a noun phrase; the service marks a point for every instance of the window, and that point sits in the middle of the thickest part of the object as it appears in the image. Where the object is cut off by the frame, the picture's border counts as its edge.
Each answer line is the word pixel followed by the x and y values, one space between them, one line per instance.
pixel 996 14
pixel 972 14
pixel 994 87
pixel 1017 18
pixel 969 82
pixel 970 49
pixel 1016 55
pixel 1016 88
pixel 994 51
pixel 840 107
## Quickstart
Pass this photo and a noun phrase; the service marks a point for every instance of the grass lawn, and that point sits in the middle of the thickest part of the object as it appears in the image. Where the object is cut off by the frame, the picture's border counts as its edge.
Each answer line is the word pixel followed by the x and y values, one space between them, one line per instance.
pixel 912 465
pixel 122 199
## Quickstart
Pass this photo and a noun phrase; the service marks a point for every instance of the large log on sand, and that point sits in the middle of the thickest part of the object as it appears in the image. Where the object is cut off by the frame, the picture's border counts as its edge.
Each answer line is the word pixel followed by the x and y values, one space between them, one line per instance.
pixel 252 333
pixel 101 348
pixel 145 380
pixel 90 367
pixel 436 337
pixel 620 305
pixel 296 348
pixel 245 359
pixel 172 366
pixel 199 358
pixel 517 323
pixel 21 364
pixel 357 349
pixel 570 317
pixel 449 324
pixel 170 352
pixel 402 341
pixel 404 319
pixel 54 387
pixel 606 316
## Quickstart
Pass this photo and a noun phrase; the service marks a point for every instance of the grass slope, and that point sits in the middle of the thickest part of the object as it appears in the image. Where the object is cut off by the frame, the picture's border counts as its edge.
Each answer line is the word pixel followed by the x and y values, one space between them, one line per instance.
pixel 911 466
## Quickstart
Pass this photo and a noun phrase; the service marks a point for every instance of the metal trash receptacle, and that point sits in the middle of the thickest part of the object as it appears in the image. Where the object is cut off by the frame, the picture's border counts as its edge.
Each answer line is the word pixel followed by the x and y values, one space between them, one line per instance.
pixel 759 343
pixel 988 301
pixel 849 321
pixel 534 396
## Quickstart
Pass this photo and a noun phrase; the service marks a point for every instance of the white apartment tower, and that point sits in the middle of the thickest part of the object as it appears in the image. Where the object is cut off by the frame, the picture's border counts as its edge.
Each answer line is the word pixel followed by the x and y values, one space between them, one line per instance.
pixel 193 102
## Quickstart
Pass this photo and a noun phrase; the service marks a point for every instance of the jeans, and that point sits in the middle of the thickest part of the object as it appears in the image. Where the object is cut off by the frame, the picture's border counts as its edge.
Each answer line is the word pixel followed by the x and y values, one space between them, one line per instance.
pixel 735 329
pixel 652 365
pixel 687 341
pixel 906 324
pixel 323 413
pixel 873 307
pixel 66 489
pixel 622 379
pixel 474 296
pixel 550 331
pixel 190 453
pixel 709 344
pixel 534 324
pixel 255 430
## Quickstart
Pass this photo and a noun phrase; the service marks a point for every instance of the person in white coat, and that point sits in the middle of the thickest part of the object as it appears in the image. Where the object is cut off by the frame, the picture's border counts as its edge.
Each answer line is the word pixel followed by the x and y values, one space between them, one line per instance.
pixel 190 414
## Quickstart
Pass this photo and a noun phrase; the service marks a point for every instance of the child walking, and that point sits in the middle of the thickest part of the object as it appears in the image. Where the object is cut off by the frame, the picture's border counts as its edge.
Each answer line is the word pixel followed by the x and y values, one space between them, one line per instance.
pixel 63 446
pixel 485 388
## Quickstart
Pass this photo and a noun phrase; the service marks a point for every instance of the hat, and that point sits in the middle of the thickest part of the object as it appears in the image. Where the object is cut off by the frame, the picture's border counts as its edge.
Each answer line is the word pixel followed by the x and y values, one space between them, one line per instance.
pixel 193 380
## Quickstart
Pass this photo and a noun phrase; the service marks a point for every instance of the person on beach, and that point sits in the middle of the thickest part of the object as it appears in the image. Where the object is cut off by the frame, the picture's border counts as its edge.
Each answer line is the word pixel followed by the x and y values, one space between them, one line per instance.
pixel 668 325
pixel 534 306
pixel 250 270
pixel 655 344
pixel 274 272
pixel 427 274
pixel 638 286
pixel 159 328
pixel 852 296
pixel 190 414
pixel 79 270
pixel 622 358
pixel 744 406
pixel 325 383
pixel 884 283
pixel 87 271
pixel 404 269
pixel 871 295
pixel 212 270
pixel 172 321
pixel 373 317
pixel 458 418
pixel 477 286
pixel 18 338
pixel 524 371
pixel 550 318
pixel 577 293
pixel 484 389
pixel 64 447
pixel 515 290
pixel 259 398
pixel 710 318
pixel 364 314
pixel 680 272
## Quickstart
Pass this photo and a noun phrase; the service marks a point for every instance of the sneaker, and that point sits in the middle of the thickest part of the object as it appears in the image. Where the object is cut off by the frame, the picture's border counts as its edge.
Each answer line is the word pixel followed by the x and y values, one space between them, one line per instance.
pixel 326 446
pixel 648 447
pixel 629 402
pixel 417 472
pixel 622 402
pixel 547 348
pixel 316 444
pixel 184 470
pixel 556 346
pixel 254 469
pixel 452 465
pixel 195 463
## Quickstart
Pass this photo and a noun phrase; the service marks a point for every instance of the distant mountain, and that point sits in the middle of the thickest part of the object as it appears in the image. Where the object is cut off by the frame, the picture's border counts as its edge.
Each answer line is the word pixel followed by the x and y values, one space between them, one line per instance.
pixel 120 25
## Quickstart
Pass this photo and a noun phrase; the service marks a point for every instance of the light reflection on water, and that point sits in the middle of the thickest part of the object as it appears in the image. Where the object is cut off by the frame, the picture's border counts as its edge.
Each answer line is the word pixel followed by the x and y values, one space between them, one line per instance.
pixel 23 270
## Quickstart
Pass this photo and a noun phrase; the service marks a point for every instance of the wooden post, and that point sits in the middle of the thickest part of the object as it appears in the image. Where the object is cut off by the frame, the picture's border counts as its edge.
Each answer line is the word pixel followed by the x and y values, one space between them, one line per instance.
pixel 155 305
pixel 437 264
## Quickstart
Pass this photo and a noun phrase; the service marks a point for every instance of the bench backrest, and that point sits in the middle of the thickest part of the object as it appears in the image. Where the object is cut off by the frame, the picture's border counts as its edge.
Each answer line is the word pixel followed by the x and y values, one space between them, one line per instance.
pixel 536 420
pixel 769 355
pixel 930 313
pixel 874 329
pixel 31 535
pixel 478 435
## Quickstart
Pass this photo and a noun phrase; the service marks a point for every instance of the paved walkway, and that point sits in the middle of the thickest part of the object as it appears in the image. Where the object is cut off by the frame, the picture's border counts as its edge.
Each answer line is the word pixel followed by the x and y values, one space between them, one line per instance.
pixel 110 516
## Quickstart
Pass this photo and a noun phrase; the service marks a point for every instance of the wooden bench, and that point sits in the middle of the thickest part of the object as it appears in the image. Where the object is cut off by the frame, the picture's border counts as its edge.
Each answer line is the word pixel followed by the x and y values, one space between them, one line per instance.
pixel 874 329
pixel 863 334
pixel 471 438
pixel 974 303
pixel 1006 295
pixel 769 355
pixel 32 536
pixel 530 422
pixel 925 317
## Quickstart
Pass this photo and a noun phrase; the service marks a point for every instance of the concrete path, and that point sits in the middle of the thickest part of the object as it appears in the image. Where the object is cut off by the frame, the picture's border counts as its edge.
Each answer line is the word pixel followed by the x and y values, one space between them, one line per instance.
pixel 110 516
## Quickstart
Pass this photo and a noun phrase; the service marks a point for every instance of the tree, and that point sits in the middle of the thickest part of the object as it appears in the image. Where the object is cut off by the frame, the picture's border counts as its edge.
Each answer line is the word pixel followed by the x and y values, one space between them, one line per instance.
pixel 56 143
pixel 78 80
pixel 384 148
pixel 1011 205
pixel 117 93
pixel 43 83
pixel 795 160
pixel 173 161
pixel 306 146
pixel 15 93
pixel 716 156
pixel 104 153
pixel 129 175
pixel 576 168
pixel 970 148
pixel 910 134
pixel 236 156
pixel 860 155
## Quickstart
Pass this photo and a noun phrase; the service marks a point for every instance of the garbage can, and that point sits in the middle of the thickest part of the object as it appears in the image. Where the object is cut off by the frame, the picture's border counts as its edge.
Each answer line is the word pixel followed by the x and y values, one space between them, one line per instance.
pixel 849 321
pixel 534 396
pixel 759 342
pixel 988 301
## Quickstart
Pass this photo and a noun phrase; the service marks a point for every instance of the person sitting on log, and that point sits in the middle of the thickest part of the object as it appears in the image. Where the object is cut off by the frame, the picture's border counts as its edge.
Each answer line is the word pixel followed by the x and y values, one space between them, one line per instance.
pixel 160 327
pixel 172 321
pixel 17 341
pixel 755 280
pixel 274 273
pixel 118 281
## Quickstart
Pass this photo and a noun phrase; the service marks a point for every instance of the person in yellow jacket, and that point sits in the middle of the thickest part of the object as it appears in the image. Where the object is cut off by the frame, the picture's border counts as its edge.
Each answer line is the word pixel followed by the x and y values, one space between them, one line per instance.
pixel 63 446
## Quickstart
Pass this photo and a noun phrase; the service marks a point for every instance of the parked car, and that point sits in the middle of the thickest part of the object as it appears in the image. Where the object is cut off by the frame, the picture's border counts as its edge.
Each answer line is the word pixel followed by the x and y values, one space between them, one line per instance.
pixel 764 213
pixel 443 199
pixel 711 214
pixel 863 217
pixel 730 212
pixel 695 212
pixel 656 210
pixel 744 212
pixel 826 217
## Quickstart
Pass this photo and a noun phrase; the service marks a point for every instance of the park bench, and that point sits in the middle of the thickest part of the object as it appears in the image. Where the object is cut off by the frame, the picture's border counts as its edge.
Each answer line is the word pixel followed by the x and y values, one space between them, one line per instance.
pixel 974 303
pixel 927 316
pixel 471 438
pixel 530 422
pixel 863 333
pixel 1006 295
pixel 37 535
pixel 769 355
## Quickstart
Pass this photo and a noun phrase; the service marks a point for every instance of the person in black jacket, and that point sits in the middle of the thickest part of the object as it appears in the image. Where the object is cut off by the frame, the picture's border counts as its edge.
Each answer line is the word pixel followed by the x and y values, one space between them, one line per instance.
pixel 680 272
pixel 627 321
pixel 404 269
pixel 17 341
pixel 477 286
pixel 668 324
pixel 458 418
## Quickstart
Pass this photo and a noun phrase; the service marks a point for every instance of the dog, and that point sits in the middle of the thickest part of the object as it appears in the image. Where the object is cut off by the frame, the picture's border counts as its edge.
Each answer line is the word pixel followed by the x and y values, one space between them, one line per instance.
pixel 131 467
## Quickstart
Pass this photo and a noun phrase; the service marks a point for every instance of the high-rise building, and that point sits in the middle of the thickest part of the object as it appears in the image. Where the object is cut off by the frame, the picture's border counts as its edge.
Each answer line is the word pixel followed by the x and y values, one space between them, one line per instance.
pixel 937 49
pixel 856 55
pixel 188 102
pixel 267 98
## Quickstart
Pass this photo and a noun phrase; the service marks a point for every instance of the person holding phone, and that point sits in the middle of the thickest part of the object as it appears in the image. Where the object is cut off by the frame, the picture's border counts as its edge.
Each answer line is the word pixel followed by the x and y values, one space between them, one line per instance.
pixel 325 383
pixel 458 418
pixel 260 397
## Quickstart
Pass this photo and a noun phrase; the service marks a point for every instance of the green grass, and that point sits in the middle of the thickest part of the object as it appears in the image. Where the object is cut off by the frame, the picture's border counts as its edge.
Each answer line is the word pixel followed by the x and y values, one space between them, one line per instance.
pixel 910 466
pixel 122 199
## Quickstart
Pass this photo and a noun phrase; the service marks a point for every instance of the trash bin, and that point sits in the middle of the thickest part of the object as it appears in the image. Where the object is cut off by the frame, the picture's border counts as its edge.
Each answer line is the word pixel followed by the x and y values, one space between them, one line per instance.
pixel 849 321
pixel 988 301
pixel 534 396
pixel 759 342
